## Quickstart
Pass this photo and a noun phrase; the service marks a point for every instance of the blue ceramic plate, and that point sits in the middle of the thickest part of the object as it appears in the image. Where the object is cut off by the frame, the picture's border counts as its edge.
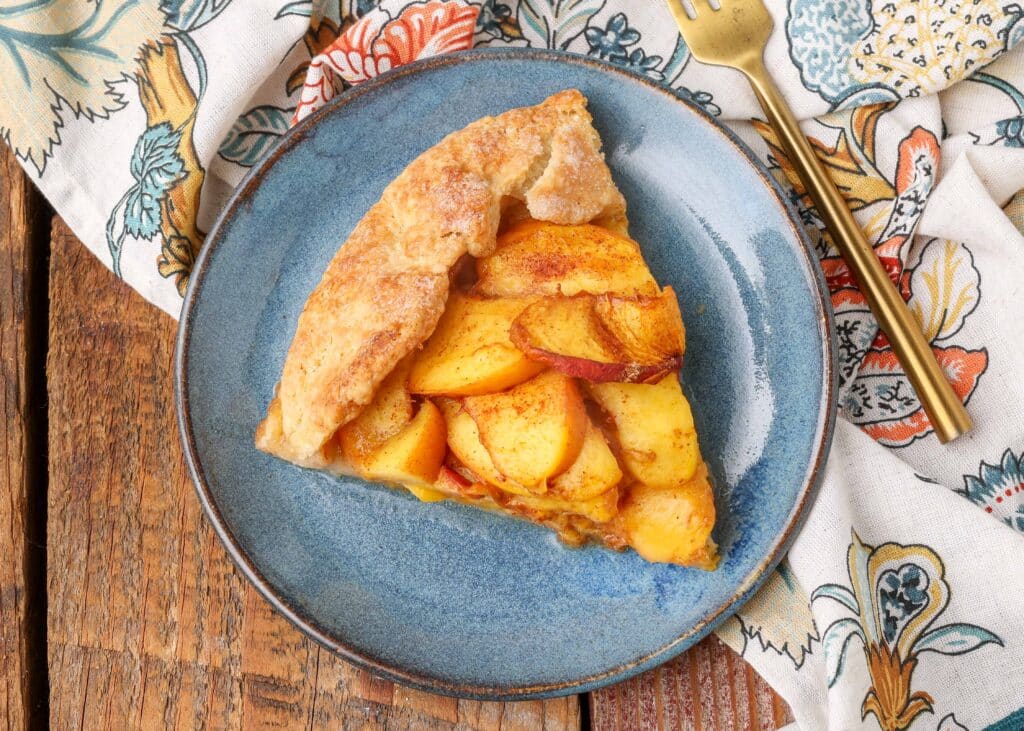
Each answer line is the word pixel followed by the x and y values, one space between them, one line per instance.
pixel 443 596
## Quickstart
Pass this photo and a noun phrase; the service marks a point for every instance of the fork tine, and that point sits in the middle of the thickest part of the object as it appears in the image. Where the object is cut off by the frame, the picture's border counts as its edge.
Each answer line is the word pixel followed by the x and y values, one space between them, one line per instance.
pixel 679 13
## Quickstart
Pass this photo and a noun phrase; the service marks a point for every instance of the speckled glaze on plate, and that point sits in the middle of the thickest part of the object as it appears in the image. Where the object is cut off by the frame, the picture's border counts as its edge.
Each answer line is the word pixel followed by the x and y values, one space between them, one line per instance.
pixel 449 598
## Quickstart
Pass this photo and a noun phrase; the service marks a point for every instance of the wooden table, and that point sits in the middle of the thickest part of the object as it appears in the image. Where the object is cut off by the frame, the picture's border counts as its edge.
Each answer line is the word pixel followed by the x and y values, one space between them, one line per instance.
pixel 118 607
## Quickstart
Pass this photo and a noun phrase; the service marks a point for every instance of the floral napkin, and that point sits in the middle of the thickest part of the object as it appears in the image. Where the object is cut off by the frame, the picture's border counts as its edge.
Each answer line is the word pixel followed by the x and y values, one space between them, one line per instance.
pixel 899 605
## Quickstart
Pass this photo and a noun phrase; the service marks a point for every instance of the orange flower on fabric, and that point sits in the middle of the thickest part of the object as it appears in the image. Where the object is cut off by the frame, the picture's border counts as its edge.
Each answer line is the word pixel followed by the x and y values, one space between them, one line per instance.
pixel 379 43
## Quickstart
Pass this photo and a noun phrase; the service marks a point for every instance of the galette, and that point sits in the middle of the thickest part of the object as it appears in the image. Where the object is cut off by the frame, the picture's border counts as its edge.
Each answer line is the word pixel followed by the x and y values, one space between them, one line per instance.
pixel 490 334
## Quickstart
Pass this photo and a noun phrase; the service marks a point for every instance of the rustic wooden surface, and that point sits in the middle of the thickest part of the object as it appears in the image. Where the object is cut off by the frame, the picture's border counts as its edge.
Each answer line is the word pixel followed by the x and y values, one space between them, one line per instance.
pixel 147 624
pixel 709 687
pixel 22 472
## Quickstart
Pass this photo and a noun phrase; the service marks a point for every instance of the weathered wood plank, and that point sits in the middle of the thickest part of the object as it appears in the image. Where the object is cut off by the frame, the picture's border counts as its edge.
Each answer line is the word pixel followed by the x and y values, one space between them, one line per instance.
pixel 149 624
pixel 708 688
pixel 22 467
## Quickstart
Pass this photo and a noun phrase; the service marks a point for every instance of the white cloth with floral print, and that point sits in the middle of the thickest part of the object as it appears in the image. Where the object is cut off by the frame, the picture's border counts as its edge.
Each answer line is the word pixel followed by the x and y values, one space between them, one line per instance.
pixel 899 605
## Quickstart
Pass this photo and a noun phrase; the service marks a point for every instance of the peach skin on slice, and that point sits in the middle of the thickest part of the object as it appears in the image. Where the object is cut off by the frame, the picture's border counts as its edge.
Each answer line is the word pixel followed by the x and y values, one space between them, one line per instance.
pixel 414 455
pixel 451 485
pixel 602 338
pixel 470 352
pixel 654 429
pixel 548 259
pixel 534 431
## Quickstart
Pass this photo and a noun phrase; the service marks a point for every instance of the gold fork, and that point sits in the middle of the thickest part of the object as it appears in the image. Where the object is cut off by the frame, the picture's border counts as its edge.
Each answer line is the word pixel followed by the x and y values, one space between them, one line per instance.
pixel 735 34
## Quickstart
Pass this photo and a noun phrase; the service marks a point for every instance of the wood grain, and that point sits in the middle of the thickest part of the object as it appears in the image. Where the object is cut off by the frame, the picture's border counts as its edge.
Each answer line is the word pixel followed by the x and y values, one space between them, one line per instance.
pixel 708 688
pixel 22 473
pixel 149 624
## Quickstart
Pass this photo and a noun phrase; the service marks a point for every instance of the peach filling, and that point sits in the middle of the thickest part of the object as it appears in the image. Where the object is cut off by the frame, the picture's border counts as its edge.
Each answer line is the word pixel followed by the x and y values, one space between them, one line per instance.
pixel 550 390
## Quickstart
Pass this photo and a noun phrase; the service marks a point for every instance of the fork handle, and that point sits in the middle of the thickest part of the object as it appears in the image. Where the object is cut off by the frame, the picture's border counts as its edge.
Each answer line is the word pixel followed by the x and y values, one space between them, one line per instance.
pixel 943 407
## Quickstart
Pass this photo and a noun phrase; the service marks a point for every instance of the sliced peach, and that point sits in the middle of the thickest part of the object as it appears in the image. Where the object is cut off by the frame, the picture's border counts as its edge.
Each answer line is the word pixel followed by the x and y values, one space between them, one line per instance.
pixel 413 455
pixel 450 485
pixel 534 431
pixel 426 494
pixel 448 480
pixel 594 472
pixel 649 329
pixel 654 429
pixel 545 258
pixel 464 441
pixel 674 525
pixel 453 484
pixel 604 337
pixel 390 410
pixel 599 508
pixel 453 466
pixel 470 352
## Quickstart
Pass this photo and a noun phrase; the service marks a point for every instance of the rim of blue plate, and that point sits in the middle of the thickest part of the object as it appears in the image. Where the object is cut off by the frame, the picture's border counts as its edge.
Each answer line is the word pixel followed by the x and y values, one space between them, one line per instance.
pixel 308 625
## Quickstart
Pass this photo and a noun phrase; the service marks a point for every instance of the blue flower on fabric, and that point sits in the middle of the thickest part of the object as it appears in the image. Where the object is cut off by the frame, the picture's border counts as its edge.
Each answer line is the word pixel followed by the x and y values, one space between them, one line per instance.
pixel 497 20
pixel 1011 131
pixel 362 7
pixel 902 596
pixel 156 167
pixel 702 99
pixel 999 488
pixel 642 63
pixel 612 42
pixel 821 39
pixel 1014 32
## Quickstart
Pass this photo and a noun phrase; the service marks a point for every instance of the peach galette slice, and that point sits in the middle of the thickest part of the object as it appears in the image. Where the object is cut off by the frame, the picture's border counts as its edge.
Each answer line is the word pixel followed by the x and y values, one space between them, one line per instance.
pixel 490 334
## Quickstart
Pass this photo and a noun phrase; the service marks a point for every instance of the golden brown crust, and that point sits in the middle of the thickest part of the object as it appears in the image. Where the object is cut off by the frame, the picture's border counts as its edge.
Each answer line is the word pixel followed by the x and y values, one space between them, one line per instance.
pixel 384 291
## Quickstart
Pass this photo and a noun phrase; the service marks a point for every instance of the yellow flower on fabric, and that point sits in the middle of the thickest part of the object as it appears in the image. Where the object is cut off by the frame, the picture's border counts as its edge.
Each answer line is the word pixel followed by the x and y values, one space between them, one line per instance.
pixel 896 595
pixel 918 48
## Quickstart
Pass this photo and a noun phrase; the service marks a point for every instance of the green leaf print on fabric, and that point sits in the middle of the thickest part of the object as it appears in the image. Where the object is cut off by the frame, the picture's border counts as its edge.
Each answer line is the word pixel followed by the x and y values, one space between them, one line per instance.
pixel 555 23
pixel 156 166
pixel 955 639
pixel 253 133
pixel 189 15
pixel 777 619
